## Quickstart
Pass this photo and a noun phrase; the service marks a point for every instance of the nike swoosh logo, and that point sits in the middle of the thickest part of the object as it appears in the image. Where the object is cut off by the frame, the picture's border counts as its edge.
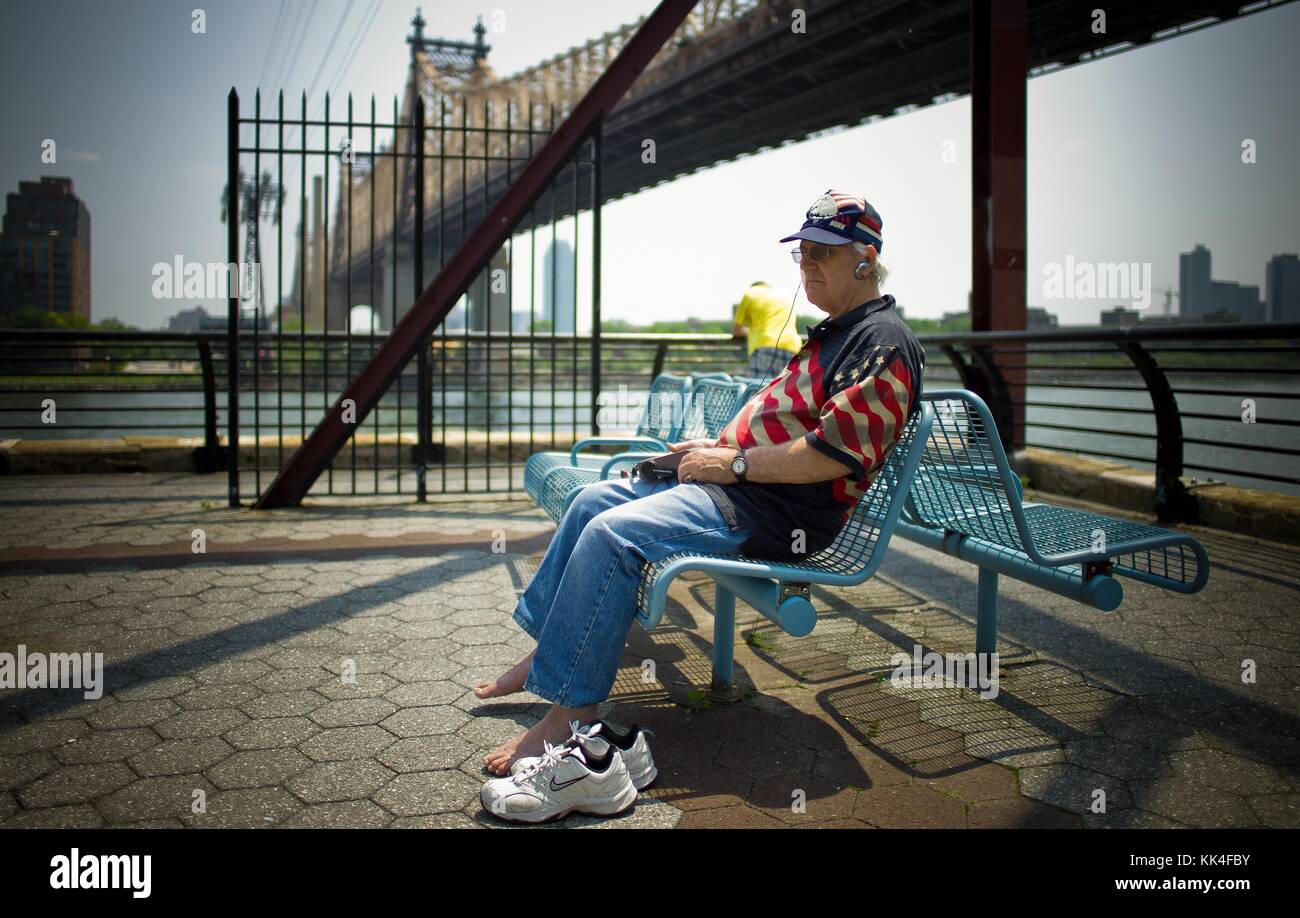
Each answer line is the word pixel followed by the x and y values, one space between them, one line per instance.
pixel 556 787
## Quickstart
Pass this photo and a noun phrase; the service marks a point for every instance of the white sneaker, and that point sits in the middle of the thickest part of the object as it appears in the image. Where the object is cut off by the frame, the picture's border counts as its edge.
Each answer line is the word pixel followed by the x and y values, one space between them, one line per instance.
pixel 563 780
pixel 598 735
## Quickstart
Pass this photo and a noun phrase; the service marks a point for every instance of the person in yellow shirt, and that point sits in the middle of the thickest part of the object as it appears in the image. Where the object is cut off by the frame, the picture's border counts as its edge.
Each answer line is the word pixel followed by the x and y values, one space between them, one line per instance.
pixel 769 322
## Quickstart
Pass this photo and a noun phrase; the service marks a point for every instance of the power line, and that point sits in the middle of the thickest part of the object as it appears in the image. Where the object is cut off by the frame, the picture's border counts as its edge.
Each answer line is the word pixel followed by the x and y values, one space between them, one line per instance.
pixel 310 8
pixel 293 24
pixel 355 46
pixel 275 34
pixel 330 47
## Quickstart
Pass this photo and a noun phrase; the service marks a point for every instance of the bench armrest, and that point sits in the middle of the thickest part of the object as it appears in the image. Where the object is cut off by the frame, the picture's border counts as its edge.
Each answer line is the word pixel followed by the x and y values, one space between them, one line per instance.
pixel 647 443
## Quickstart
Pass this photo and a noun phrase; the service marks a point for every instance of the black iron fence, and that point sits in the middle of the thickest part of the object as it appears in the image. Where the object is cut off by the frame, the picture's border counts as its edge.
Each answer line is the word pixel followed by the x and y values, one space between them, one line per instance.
pixel 382 205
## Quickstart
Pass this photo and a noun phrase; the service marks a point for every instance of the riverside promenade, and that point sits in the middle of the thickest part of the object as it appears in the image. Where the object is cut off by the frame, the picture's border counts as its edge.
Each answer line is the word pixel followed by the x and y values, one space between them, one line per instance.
pixel 314 666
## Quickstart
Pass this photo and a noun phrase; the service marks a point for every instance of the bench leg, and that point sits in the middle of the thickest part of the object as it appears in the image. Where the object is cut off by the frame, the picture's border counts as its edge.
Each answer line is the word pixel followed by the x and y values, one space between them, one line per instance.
pixel 724 636
pixel 986 620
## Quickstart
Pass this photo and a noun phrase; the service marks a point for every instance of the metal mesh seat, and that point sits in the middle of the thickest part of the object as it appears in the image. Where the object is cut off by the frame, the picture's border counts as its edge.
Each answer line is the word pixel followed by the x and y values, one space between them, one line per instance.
pixel 965 485
pixel 850 559
pixel 712 403
pixel 661 422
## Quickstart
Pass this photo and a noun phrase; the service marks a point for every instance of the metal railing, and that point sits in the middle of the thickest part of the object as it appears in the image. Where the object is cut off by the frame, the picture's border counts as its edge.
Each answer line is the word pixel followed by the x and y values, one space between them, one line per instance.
pixel 1222 399
pixel 1217 401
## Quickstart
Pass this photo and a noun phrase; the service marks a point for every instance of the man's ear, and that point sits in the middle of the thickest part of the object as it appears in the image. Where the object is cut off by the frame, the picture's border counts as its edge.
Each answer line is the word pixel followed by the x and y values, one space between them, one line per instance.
pixel 872 250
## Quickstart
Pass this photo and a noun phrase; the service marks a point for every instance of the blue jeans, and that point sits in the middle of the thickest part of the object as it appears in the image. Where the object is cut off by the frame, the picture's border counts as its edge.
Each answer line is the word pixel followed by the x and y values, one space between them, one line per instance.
pixel 581 603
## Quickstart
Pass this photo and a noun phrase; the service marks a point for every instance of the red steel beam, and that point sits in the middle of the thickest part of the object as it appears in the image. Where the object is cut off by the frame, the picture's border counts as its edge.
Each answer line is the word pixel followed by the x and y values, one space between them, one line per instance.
pixel 318 450
pixel 998 39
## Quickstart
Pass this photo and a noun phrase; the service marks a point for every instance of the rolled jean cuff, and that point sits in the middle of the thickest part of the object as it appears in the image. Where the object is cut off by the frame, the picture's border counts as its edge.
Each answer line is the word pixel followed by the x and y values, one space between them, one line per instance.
pixel 524 619
pixel 560 699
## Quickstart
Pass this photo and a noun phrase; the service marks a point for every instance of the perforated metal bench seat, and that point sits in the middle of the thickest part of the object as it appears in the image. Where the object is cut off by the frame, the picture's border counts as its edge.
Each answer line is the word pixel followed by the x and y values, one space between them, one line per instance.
pixel 713 401
pixel 781 590
pixel 966 501
pixel 660 423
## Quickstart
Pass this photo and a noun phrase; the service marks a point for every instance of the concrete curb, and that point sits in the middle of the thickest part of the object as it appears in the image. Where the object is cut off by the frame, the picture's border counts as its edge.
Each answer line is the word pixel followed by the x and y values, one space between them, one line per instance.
pixel 1220 506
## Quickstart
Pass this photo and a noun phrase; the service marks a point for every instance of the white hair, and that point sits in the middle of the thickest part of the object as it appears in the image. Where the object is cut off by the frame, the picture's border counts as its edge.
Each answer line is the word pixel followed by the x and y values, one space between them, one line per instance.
pixel 879 272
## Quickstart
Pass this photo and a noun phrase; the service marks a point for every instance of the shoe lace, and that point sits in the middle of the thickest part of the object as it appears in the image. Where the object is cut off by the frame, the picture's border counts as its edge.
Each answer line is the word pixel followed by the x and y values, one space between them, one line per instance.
pixel 552 755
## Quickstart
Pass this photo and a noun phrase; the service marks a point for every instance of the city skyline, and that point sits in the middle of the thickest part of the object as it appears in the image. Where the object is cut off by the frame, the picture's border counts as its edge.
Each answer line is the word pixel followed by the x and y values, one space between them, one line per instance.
pixel 1105 140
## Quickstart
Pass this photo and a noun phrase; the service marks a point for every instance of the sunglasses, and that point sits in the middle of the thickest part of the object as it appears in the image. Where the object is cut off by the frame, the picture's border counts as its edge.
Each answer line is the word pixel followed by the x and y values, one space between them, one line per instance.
pixel 816 253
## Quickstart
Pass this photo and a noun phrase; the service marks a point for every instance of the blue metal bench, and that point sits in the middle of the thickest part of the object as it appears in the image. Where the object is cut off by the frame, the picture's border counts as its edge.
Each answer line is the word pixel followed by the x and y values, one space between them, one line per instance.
pixel 967 502
pixel 781 591
pixel 713 401
pixel 661 422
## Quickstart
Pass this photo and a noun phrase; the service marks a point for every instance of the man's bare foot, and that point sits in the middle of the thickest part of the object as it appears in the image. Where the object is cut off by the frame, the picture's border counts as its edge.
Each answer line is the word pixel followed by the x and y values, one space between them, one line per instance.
pixel 509 682
pixel 553 728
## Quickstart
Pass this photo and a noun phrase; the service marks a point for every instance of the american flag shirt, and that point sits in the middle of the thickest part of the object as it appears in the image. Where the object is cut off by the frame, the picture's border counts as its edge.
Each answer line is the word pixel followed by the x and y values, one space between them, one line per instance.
pixel 849 392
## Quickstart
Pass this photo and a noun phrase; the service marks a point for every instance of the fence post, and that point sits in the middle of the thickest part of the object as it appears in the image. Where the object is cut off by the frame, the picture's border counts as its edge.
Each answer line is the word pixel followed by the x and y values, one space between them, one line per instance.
pixel 423 369
pixel 232 300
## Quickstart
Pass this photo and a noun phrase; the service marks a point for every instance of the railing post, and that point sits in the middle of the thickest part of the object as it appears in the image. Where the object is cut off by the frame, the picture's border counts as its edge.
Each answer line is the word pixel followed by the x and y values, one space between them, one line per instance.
pixel 232 301
pixel 661 354
pixel 1172 504
pixel 989 384
pixel 423 369
pixel 208 458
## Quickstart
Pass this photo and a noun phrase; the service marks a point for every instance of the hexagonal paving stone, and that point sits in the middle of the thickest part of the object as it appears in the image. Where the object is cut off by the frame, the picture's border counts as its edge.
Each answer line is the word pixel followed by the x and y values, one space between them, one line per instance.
pixel 216 696
pixel 133 714
pixel 49 734
pixel 178 757
pixel 427 793
pixel 334 781
pixel 201 723
pixel 282 704
pixel 426 721
pixel 254 808
pixel 75 784
pixel 271 733
pixel 107 746
pixel 1073 788
pixel 81 816
pixel 258 768
pixel 17 770
pixel 353 712
pixel 342 743
pixel 346 814
pixel 365 685
pixel 426 753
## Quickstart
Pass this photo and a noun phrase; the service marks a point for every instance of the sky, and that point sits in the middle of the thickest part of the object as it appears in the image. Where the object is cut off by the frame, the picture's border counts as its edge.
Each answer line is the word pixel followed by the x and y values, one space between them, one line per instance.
pixel 1132 158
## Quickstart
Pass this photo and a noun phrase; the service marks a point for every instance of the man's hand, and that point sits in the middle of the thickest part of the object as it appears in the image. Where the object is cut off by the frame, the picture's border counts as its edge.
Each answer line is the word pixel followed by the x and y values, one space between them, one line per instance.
pixel 709 464
pixel 693 444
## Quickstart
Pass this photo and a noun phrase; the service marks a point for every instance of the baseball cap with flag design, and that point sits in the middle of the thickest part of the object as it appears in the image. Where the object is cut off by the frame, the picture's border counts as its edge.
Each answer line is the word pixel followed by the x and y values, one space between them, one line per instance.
pixel 837 218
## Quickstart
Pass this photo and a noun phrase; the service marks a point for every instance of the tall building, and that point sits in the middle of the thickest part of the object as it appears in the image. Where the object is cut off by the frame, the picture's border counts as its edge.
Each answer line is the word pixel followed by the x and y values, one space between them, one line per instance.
pixel 1195 294
pixel 45 249
pixel 1282 288
pixel 558 287
pixel 1233 302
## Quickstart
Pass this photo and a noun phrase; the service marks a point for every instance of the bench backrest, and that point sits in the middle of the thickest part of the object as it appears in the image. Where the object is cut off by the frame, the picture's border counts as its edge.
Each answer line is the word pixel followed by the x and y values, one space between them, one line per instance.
pixel 712 403
pixel 860 546
pixel 964 482
pixel 662 418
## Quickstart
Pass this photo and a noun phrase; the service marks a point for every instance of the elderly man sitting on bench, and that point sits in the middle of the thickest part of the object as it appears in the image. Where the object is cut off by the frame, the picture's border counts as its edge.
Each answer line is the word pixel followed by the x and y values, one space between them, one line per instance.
pixel 778 483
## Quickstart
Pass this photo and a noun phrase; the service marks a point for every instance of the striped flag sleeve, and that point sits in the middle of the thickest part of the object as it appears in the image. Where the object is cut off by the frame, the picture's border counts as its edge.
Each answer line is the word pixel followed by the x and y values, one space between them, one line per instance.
pixel 860 424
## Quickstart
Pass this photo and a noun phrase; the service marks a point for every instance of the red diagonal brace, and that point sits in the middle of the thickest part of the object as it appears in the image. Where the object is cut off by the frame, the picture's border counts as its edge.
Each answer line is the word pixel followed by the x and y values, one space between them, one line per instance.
pixel 319 449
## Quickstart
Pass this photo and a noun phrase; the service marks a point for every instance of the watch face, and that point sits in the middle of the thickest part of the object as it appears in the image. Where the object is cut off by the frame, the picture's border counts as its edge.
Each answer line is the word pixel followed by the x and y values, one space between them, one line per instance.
pixel 738 465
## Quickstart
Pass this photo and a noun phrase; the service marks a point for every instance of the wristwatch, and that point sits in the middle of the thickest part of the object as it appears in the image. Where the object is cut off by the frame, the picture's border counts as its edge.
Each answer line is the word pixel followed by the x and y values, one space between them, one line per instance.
pixel 740 465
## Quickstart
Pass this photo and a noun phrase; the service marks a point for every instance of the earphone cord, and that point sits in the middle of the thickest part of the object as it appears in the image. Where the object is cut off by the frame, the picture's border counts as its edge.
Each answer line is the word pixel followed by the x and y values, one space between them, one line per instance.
pixel 771 367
